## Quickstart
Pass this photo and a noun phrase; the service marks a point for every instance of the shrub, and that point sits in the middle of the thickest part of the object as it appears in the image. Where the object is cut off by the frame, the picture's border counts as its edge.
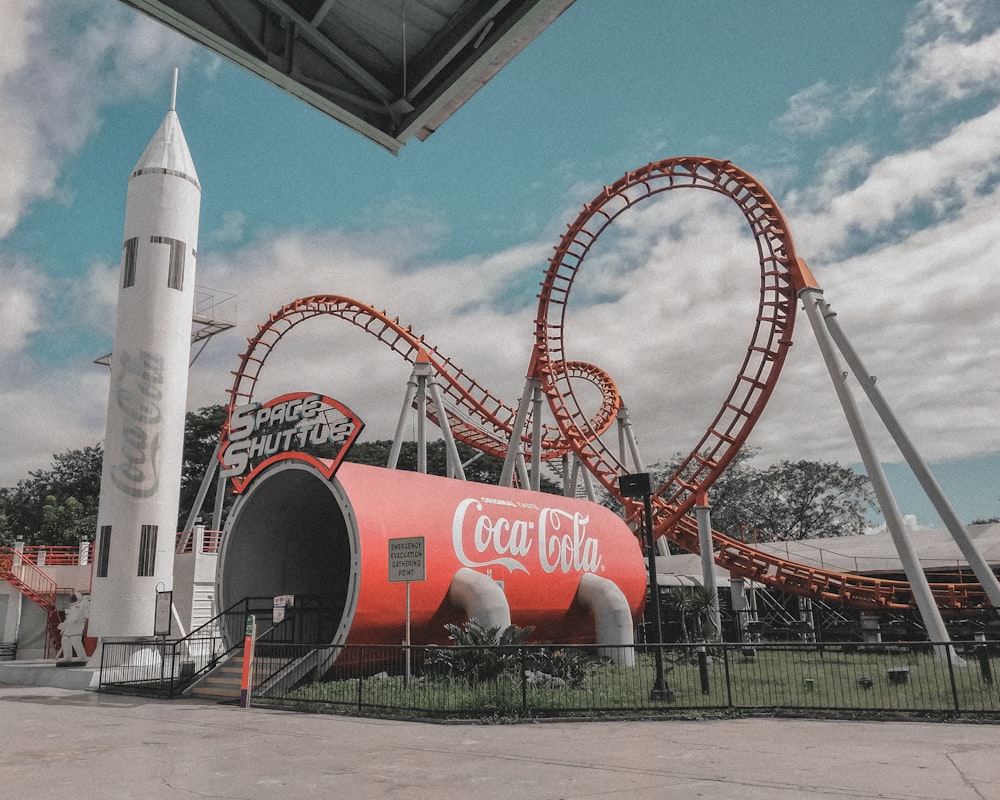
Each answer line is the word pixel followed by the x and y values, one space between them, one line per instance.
pixel 480 653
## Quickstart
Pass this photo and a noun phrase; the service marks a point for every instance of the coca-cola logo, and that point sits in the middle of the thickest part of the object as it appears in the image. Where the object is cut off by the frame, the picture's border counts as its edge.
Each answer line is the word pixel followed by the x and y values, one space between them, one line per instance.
pixel 138 392
pixel 510 534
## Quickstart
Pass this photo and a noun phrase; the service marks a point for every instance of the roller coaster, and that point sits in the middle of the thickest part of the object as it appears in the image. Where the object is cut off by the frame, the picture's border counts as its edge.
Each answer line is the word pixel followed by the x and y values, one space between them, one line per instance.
pixel 471 414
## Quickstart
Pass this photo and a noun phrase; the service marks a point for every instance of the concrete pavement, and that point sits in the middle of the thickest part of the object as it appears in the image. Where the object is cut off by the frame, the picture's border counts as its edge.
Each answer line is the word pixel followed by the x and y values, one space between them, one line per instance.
pixel 59 743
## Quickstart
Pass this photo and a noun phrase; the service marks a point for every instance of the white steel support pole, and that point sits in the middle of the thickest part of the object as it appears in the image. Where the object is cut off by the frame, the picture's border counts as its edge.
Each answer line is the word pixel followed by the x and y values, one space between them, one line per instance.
pixel 923 474
pixel 703 512
pixel 928 609
pixel 588 484
pixel 514 449
pixel 536 437
pixel 421 418
pixel 404 414
pixel 522 470
pixel 622 452
pixel 220 498
pixel 625 424
pixel 454 460
pixel 206 482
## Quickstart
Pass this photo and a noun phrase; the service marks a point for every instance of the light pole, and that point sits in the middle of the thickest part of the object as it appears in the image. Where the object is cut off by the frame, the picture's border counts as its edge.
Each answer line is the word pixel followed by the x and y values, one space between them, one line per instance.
pixel 635 486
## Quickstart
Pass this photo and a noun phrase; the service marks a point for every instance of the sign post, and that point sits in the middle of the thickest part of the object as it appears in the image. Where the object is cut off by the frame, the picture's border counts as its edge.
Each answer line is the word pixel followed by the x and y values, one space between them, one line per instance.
pixel 282 602
pixel 407 563
pixel 162 613
pixel 245 679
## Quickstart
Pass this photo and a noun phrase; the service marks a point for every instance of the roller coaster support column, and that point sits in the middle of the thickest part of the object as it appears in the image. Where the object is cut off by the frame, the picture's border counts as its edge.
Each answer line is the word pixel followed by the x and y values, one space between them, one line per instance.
pixel 811 297
pixel 635 486
pixel 404 413
pixel 703 511
pixel 221 485
pixel 536 438
pixel 514 447
pixel 206 482
pixel 421 376
pixel 572 474
pixel 455 468
pixel 626 441
pixel 927 481
pixel 421 383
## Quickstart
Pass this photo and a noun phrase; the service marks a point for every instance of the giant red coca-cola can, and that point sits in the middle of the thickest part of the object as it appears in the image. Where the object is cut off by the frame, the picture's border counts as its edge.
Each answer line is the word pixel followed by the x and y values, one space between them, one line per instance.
pixel 295 532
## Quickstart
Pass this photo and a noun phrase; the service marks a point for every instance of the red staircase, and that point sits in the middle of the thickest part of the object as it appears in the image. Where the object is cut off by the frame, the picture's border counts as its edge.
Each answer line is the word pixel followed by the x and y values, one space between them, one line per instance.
pixel 34 584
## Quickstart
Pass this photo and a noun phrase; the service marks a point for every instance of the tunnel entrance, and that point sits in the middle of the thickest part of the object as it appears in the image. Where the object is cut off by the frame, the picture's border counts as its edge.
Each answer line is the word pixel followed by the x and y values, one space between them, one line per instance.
pixel 291 532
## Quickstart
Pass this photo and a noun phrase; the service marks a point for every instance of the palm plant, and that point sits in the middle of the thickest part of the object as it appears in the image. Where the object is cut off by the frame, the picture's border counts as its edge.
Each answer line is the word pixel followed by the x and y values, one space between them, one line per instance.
pixel 480 653
pixel 694 603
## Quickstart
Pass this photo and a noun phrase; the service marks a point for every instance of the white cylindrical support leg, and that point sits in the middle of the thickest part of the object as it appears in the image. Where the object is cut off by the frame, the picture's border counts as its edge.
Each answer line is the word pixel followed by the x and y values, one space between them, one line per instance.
pixel 703 513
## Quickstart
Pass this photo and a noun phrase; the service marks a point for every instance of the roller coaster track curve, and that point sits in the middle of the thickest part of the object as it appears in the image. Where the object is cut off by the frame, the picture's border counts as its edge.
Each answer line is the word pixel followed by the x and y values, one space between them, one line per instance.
pixel 782 276
pixel 486 421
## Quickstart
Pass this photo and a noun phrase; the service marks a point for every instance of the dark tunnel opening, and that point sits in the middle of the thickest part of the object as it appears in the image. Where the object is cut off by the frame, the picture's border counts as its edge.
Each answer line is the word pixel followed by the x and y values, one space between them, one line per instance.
pixel 288 535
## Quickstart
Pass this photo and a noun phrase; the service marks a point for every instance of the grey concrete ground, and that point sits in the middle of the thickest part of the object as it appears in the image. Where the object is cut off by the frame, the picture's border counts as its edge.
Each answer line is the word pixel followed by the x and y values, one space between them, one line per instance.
pixel 59 743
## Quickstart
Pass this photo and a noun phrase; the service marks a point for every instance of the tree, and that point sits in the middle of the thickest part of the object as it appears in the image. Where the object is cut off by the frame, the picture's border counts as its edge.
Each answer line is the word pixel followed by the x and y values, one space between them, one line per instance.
pixel 201 435
pixel 55 506
pixel 806 500
pixel 787 500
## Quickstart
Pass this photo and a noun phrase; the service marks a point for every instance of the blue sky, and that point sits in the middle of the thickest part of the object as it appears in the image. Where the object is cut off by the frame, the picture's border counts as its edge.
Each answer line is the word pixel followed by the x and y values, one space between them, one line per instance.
pixel 873 124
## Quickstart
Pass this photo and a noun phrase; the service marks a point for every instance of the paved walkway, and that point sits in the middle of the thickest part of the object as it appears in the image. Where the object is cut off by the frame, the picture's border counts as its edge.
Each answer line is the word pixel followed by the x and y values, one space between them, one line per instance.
pixel 77 745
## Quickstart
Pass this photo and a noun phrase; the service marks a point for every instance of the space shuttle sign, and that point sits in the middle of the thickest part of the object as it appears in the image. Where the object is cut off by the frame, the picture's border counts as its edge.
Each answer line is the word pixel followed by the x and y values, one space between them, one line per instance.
pixel 302 425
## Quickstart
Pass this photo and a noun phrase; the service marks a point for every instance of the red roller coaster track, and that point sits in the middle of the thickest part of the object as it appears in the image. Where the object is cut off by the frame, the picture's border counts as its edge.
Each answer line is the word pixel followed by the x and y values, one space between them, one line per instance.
pixel 481 420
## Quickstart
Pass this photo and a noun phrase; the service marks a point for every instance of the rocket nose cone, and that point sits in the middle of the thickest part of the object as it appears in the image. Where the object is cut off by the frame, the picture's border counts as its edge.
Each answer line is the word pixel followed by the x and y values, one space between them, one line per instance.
pixel 168 150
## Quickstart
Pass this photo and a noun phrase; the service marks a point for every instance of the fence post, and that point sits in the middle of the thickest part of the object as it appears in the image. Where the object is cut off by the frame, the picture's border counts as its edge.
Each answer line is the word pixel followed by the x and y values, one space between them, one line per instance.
pixel 703 669
pixel 524 681
pixel 982 653
pixel 729 683
pixel 951 674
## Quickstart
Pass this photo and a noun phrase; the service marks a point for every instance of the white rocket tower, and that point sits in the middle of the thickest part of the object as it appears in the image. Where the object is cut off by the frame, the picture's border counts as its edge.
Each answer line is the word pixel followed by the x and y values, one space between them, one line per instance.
pixel 141 474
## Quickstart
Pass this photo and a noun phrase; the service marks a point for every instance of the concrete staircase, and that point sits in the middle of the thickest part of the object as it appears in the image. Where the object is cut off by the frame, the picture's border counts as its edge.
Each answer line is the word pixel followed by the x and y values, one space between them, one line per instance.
pixel 222 683
pixel 272 673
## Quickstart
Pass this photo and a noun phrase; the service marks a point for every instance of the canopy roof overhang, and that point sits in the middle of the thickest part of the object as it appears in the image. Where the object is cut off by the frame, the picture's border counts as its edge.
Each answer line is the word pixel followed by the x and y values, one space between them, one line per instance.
pixel 388 69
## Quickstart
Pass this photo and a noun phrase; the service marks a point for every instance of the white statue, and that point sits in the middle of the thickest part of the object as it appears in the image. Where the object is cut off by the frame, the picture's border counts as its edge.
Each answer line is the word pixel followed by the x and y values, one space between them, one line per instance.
pixel 72 627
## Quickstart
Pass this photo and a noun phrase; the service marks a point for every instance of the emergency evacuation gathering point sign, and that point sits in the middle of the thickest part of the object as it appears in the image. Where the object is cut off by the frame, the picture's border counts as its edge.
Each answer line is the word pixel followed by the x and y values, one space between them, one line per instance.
pixel 406 564
pixel 406 560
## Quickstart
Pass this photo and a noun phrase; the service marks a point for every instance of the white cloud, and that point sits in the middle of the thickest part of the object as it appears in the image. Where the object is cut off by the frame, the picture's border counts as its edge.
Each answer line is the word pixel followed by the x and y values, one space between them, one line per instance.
pixel 953 169
pixel 60 63
pixel 21 309
pixel 232 228
pixel 951 51
pixel 812 111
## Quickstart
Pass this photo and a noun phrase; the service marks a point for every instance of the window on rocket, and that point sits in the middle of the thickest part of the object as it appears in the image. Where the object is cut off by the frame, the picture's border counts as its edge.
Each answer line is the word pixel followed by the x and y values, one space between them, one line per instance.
pixel 175 270
pixel 103 551
pixel 147 551
pixel 130 248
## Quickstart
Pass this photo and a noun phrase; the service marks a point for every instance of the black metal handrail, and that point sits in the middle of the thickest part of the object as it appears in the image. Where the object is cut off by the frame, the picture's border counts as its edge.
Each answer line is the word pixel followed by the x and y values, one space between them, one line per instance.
pixel 165 667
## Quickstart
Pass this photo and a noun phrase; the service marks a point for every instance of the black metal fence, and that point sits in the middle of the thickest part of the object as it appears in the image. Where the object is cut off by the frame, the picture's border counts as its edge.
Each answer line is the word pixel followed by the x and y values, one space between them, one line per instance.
pixel 539 681
pixel 164 667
